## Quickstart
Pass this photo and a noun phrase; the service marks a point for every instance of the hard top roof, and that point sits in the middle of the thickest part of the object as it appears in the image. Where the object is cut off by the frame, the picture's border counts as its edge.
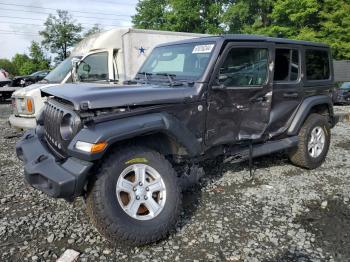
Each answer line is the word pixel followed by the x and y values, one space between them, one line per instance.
pixel 251 38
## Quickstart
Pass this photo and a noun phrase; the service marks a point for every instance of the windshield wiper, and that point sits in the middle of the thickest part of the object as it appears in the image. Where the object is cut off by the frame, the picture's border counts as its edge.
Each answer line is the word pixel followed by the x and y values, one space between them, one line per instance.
pixel 171 79
pixel 145 74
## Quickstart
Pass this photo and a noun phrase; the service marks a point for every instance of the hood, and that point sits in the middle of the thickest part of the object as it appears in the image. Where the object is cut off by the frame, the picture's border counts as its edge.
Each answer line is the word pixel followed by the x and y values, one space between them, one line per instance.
pixel 21 77
pixel 106 96
pixel 25 90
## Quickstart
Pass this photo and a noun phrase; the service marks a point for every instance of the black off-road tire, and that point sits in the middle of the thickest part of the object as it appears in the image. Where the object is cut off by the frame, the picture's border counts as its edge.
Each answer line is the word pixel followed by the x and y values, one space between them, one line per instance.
pixel 111 220
pixel 300 155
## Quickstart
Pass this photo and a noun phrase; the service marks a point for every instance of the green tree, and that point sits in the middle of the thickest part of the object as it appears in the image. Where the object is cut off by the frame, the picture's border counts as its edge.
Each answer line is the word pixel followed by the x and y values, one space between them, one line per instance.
pixel 60 34
pixel 93 30
pixel 244 16
pixel 150 14
pixel 28 68
pixel 315 20
pixel 335 27
pixel 180 15
pixel 36 61
pixel 18 61
pixel 8 66
pixel 38 57
pixel 295 19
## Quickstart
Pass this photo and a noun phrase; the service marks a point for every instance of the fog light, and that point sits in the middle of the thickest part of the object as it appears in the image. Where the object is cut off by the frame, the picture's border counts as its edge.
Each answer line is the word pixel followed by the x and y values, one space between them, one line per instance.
pixel 91 148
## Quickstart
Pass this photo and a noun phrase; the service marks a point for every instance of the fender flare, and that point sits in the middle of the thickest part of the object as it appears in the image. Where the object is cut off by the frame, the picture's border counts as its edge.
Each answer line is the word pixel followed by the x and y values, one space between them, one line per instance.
pixel 126 128
pixel 304 110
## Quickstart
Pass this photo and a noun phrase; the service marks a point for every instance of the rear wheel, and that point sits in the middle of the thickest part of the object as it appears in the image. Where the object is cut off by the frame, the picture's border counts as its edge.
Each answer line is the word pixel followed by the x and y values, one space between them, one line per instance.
pixel 314 141
pixel 135 198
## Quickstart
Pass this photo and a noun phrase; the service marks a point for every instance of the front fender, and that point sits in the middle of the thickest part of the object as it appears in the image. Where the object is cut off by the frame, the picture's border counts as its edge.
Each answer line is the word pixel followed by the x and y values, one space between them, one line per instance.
pixel 305 109
pixel 126 128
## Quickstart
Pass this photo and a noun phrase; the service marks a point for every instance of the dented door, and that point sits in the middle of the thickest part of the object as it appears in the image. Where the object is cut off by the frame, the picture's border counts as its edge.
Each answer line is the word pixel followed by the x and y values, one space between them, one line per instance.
pixel 240 93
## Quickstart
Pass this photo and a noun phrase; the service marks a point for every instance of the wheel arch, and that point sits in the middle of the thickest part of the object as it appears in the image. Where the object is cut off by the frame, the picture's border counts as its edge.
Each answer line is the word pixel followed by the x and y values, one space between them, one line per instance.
pixel 160 131
pixel 159 141
pixel 317 104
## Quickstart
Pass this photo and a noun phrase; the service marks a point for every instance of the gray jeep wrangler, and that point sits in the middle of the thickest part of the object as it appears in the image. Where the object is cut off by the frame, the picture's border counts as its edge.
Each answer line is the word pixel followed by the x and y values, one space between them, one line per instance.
pixel 125 148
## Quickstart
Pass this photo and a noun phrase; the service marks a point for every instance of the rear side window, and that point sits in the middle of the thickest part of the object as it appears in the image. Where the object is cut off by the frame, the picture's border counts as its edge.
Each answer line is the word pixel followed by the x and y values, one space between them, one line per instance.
pixel 317 64
pixel 286 65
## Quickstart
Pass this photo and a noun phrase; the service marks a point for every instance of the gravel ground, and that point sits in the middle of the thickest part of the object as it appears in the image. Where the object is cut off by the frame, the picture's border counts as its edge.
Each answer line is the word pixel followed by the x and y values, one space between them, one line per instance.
pixel 284 214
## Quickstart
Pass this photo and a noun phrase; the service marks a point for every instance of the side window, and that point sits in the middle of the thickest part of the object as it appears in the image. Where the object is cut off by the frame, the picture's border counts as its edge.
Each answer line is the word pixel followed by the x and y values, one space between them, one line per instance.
pixel 94 67
pixel 286 65
pixel 317 64
pixel 244 67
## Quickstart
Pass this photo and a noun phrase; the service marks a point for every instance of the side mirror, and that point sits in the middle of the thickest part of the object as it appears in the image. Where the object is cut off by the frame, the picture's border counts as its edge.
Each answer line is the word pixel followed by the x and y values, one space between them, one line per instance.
pixel 217 85
pixel 86 68
pixel 74 71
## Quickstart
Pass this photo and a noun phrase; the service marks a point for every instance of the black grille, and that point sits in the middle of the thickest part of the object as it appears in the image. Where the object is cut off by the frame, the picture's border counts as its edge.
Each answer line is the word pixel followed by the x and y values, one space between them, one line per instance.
pixel 53 115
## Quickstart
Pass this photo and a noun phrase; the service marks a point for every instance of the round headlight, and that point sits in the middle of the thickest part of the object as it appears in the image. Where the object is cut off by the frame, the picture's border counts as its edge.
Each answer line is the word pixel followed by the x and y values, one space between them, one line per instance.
pixel 67 127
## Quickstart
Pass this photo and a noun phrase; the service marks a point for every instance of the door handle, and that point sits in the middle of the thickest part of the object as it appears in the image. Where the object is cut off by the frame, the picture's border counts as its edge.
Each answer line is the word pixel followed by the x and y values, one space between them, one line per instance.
pixel 259 99
pixel 290 95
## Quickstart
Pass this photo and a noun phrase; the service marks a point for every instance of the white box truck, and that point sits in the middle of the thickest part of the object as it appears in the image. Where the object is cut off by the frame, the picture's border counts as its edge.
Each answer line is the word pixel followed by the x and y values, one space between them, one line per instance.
pixel 112 56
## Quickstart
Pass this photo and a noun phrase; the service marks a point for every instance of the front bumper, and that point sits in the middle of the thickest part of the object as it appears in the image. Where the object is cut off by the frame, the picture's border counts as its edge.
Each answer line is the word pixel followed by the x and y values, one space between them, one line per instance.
pixel 57 178
pixel 22 122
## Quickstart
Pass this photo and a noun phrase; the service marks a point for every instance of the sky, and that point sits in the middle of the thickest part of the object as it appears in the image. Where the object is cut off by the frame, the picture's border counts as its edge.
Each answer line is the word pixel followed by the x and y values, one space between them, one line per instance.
pixel 20 20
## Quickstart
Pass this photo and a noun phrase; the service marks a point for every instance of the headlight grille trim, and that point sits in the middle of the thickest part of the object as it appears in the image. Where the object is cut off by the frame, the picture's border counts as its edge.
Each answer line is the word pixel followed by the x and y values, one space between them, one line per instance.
pixel 53 115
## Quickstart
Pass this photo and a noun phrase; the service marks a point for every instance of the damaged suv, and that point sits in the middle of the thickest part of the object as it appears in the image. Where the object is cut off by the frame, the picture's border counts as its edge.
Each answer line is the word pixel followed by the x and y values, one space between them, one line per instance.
pixel 125 149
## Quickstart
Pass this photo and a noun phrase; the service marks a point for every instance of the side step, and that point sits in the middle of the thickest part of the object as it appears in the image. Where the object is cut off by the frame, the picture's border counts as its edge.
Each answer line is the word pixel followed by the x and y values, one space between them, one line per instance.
pixel 242 154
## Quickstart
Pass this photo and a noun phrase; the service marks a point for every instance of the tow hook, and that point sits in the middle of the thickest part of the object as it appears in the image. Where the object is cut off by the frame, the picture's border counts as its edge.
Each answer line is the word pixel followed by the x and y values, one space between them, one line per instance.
pixel 29 136
pixel 41 158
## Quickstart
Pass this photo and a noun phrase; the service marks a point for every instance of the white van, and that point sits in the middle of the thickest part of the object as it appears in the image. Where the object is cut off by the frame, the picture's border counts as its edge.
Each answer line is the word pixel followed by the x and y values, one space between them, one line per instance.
pixel 112 56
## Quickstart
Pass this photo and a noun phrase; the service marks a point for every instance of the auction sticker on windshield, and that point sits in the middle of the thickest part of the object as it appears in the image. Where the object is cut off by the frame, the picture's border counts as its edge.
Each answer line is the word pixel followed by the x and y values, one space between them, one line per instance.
pixel 201 49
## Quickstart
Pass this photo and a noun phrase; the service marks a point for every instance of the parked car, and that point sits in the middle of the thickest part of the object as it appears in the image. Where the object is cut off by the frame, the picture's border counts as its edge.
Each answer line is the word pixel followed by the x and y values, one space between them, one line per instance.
pixel 4 78
pixel 27 101
pixel 108 57
pixel 125 149
pixel 5 92
pixel 341 95
pixel 22 81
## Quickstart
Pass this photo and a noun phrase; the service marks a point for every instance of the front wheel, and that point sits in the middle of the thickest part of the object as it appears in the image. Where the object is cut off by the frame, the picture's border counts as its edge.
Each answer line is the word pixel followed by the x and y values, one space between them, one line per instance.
pixel 314 141
pixel 136 197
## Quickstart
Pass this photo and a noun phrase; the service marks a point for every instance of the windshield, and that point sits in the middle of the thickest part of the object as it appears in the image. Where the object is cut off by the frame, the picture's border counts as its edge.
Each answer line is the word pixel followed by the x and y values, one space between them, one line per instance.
pixel 61 71
pixel 183 61
pixel 345 85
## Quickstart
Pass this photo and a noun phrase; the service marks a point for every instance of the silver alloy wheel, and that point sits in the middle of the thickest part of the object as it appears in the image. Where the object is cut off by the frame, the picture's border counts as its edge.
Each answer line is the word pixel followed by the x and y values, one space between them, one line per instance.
pixel 141 191
pixel 317 142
